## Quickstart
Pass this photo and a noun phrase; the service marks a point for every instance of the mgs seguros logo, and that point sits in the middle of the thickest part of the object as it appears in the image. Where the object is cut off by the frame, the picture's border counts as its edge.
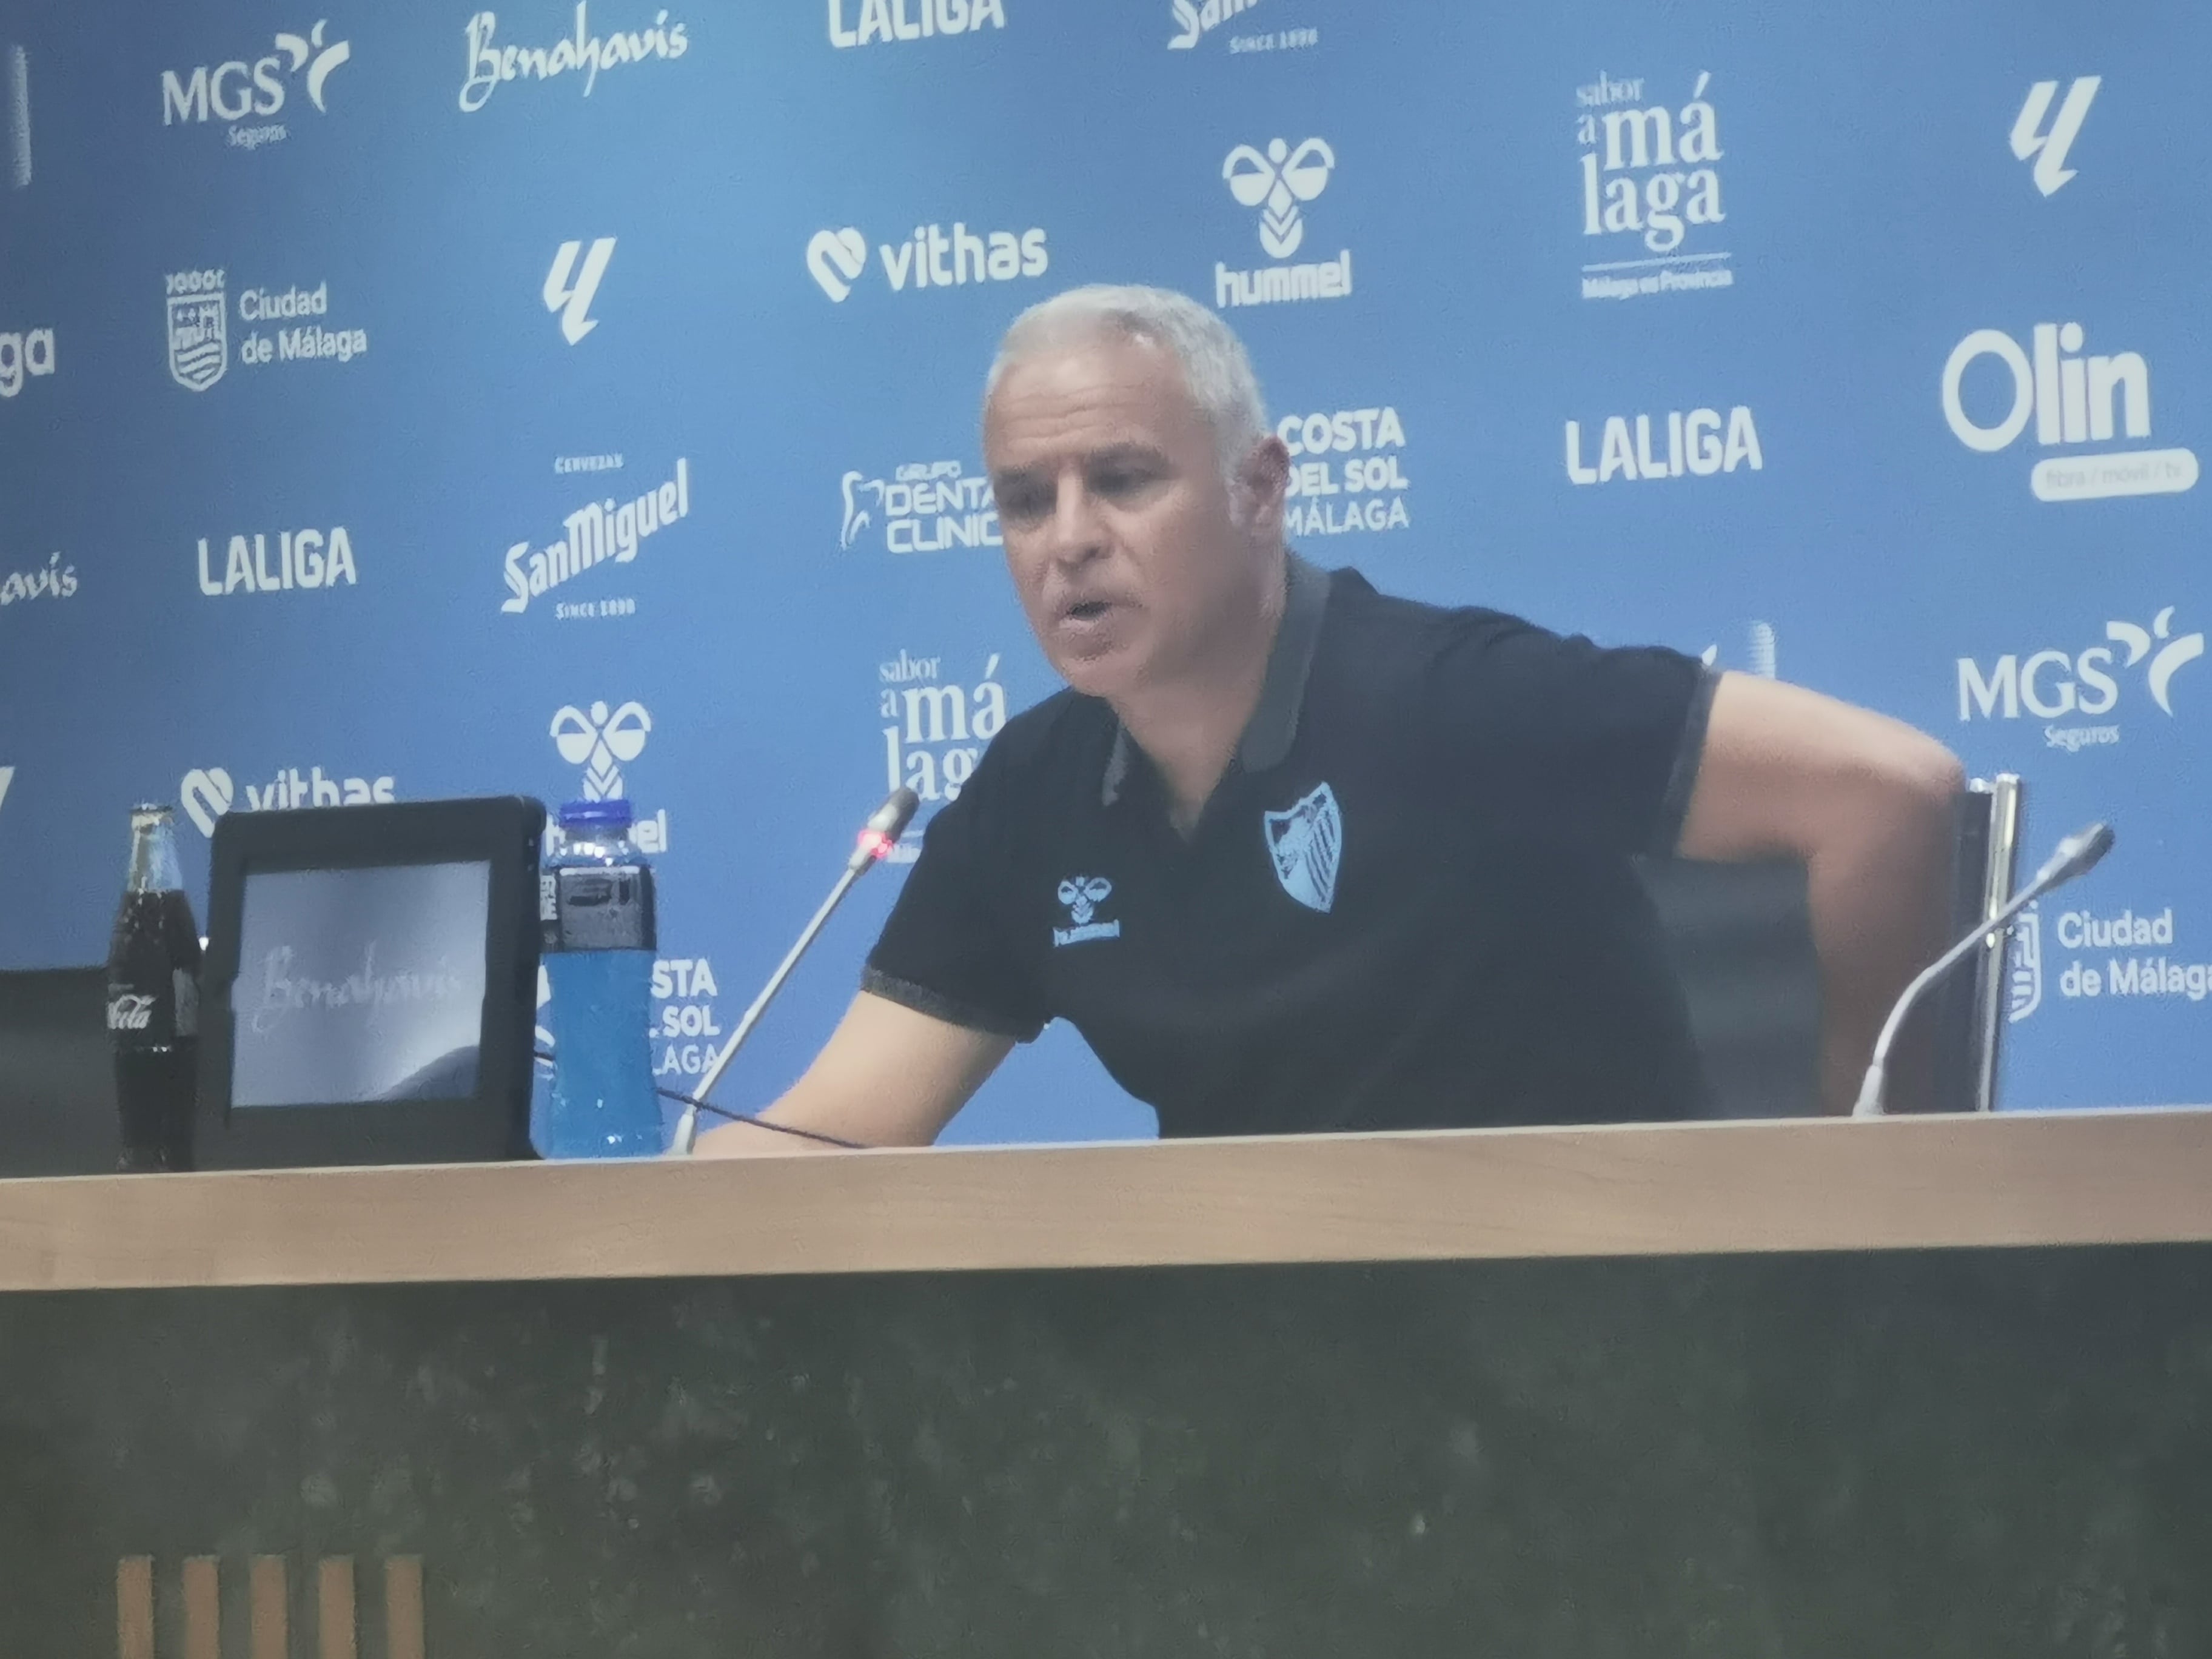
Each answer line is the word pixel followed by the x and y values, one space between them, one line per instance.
pixel 242 90
pixel 2073 690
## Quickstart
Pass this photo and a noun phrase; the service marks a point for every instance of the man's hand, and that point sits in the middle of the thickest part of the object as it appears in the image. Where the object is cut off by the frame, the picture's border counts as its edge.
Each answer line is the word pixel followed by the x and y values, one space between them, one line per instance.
pixel 887 1077
pixel 1869 804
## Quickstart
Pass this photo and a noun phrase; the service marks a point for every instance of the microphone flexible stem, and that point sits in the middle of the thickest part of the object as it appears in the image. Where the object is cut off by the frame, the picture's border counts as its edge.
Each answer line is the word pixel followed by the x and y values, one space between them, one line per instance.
pixel 687 1128
pixel 1868 1103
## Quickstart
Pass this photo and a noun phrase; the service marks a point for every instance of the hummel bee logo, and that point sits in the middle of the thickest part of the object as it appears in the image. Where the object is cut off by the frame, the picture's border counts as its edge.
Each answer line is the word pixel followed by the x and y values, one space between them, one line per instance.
pixel 1083 895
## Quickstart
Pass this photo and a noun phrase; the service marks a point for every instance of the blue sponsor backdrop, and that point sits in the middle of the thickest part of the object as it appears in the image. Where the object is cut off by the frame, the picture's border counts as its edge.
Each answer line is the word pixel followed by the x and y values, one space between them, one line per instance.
pixel 410 402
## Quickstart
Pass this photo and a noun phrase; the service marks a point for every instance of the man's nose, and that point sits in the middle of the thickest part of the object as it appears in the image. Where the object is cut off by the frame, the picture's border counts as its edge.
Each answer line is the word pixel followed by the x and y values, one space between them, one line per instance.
pixel 1074 533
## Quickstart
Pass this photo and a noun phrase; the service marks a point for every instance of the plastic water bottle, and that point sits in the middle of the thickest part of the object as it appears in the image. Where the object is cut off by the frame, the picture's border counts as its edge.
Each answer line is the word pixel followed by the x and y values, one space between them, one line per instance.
pixel 595 906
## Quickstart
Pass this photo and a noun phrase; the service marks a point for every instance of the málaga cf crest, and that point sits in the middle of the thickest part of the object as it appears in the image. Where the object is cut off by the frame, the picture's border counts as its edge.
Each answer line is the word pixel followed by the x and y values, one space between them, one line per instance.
pixel 1306 843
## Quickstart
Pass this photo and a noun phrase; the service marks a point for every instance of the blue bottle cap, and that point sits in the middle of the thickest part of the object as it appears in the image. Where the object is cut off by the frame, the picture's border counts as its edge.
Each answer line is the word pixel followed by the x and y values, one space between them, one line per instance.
pixel 612 814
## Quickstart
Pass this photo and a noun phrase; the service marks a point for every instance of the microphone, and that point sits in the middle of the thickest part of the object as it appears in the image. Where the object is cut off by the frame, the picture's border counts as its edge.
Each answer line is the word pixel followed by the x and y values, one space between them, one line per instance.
pixel 877 838
pixel 2076 855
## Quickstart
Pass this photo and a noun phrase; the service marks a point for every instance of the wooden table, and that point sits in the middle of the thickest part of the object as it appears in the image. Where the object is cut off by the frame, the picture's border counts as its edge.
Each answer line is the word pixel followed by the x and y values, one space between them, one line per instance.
pixel 1917 1387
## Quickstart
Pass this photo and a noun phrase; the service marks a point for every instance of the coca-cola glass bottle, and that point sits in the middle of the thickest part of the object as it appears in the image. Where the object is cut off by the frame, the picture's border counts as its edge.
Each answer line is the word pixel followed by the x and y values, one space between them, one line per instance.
pixel 154 1000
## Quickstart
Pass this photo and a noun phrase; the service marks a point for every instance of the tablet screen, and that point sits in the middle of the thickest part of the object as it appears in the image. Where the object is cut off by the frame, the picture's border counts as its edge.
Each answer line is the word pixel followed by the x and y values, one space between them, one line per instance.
pixel 360 984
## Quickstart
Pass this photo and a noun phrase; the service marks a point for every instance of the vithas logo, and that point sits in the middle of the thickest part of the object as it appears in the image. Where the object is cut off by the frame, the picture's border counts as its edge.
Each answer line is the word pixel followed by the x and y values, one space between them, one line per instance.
pixel 836 258
pixel 2073 399
pixel 572 300
pixel 2049 147
pixel 208 794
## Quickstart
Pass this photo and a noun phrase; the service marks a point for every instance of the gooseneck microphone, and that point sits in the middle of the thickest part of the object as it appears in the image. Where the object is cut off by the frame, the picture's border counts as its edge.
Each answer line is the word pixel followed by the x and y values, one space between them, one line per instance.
pixel 2076 855
pixel 881 833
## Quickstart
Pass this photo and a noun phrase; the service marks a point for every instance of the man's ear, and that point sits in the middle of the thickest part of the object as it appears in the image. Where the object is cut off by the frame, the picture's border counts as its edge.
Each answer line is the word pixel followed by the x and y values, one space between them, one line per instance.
pixel 1262 483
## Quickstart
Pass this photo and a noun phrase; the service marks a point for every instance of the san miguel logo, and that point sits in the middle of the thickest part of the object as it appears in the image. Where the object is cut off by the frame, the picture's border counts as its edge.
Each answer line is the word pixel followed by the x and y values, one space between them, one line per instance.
pixel 268 1608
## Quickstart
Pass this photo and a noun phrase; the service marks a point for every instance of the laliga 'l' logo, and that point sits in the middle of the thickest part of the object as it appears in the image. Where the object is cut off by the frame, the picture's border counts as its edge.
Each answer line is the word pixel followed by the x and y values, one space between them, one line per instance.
pixel 836 258
pixel 1276 183
pixel 2171 656
pixel 2051 171
pixel 572 302
pixel 596 739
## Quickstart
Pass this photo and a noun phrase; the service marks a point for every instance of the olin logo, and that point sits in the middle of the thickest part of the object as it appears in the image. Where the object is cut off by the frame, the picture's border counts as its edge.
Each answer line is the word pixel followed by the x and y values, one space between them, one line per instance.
pixel 268 1605
pixel 2049 148
pixel 573 300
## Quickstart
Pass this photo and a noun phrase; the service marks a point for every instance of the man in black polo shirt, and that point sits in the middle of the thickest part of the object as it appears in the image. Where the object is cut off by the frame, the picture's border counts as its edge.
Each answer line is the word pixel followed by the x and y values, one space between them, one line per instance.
pixel 1295 855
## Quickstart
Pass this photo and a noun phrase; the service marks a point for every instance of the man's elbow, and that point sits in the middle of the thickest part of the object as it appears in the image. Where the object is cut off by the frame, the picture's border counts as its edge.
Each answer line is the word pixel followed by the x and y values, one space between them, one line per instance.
pixel 1927 775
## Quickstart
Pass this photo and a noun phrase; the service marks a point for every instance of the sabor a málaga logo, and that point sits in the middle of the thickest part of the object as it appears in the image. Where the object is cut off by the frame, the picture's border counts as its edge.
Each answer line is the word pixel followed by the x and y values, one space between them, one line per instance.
pixel 25 355
pixel 1650 190
pixel 1278 180
pixel 2073 398
pixel 934 729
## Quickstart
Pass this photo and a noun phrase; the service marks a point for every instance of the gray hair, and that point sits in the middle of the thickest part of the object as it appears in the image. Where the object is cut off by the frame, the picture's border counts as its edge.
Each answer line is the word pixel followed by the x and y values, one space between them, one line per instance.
pixel 1215 365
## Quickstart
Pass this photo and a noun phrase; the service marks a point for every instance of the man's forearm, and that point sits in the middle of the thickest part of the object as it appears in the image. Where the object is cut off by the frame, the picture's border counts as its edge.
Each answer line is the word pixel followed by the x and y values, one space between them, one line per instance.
pixel 1879 892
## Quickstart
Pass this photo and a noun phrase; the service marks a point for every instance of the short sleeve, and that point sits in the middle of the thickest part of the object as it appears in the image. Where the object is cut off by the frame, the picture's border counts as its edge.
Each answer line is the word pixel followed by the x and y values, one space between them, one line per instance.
pixel 1601 743
pixel 945 950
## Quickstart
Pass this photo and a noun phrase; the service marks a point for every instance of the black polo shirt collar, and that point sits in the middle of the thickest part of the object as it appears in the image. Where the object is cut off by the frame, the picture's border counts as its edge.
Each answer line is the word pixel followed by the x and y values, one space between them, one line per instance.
pixel 1275 722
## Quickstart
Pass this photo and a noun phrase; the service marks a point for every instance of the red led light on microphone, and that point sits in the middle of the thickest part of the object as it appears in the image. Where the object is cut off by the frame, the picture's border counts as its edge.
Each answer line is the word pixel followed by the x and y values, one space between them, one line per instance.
pixel 877 845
